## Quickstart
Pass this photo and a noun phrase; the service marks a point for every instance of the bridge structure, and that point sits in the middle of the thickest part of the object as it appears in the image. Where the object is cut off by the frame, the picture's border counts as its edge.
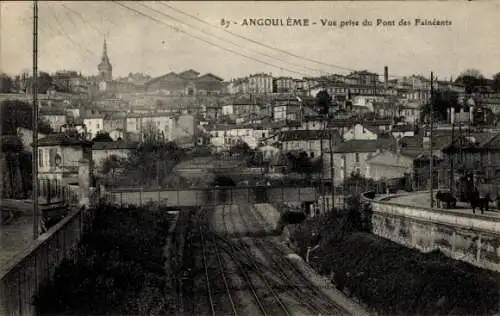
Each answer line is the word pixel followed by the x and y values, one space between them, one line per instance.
pixel 407 219
pixel 204 196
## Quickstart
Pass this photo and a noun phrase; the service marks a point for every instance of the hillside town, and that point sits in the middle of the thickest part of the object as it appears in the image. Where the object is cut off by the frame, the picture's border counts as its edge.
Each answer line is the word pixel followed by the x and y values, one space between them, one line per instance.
pixel 359 124
pixel 192 188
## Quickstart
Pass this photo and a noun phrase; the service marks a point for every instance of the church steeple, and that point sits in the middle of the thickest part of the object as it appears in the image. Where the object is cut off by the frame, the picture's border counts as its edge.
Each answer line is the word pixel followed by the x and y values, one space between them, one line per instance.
pixel 105 68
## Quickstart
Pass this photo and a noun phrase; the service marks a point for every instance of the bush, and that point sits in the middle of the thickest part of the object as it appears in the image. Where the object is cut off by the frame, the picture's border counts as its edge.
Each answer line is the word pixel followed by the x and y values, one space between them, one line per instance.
pixel 120 261
pixel 393 279
pixel 390 278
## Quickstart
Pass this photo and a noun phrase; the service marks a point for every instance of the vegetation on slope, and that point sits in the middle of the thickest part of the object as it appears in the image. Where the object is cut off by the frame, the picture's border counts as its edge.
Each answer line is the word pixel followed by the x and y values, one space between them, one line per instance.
pixel 119 268
pixel 392 279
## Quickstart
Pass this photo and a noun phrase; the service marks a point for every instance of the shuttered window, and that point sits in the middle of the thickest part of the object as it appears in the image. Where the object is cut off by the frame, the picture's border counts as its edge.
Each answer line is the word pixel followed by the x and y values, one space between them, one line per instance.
pixel 40 158
pixel 52 157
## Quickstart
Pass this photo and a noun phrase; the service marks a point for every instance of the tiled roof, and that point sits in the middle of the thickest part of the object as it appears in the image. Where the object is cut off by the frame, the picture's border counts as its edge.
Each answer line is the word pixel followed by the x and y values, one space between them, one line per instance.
pixel 443 138
pixel 52 112
pixel 92 115
pixel 341 123
pixel 402 128
pixel 121 144
pixel 310 135
pixel 362 145
pixel 63 139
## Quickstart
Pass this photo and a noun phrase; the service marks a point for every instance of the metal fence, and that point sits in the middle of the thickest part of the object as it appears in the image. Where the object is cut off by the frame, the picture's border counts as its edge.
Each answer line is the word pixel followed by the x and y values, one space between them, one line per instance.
pixel 204 196
pixel 22 277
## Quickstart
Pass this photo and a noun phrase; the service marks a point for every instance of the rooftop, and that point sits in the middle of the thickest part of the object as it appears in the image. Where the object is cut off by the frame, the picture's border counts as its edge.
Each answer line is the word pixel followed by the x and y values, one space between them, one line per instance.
pixel 63 139
pixel 120 144
pixel 305 135
pixel 364 146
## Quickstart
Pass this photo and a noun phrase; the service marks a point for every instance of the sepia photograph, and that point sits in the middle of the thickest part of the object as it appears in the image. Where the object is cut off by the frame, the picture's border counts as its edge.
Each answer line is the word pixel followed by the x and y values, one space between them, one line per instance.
pixel 250 158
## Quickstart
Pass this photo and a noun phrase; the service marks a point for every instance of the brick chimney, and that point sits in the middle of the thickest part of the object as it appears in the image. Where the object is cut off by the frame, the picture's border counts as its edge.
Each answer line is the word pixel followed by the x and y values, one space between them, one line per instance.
pixel 386 77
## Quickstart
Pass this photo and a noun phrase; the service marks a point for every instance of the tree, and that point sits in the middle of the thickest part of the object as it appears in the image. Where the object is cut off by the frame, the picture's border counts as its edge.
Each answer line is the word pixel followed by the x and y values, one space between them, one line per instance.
pixel 472 73
pixel 111 164
pixel 442 101
pixel 471 79
pixel 44 81
pixel 15 114
pixel 241 148
pixel 299 162
pixel 102 136
pixel 152 132
pixel 323 102
pixel 153 161
pixel 496 82
pixel 6 83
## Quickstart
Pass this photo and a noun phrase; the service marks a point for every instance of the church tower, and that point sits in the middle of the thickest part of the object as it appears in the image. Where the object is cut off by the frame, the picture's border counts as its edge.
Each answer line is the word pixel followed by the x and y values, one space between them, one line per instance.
pixel 105 68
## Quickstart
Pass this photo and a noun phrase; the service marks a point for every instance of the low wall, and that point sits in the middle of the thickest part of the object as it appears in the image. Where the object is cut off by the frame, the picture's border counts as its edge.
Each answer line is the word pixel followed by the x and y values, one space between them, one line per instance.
pixel 471 238
pixel 199 197
pixel 22 276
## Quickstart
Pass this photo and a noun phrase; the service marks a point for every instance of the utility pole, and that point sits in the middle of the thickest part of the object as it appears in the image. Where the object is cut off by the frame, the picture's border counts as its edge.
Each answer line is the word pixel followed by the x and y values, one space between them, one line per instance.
pixel 332 168
pixel 34 162
pixel 452 162
pixel 321 179
pixel 431 162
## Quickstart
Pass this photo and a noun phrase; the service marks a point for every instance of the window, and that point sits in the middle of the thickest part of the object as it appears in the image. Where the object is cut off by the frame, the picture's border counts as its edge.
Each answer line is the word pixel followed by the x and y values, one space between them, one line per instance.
pixel 52 157
pixel 312 154
pixel 263 134
pixel 98 125
pixel 40 158
pixel 216 134
pixel 357 158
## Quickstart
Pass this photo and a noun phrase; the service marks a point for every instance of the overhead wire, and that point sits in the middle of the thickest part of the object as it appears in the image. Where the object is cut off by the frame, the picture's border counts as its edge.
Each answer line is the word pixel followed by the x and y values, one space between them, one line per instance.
pixel 229 41
pixel 53 32
pixel 63 32
pixel 209 42
pixel 264 44
pixel 177 29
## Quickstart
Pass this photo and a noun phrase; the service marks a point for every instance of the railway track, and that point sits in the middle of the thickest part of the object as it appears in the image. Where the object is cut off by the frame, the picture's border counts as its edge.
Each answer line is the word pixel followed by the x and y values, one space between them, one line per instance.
pixel 204 229
pixel 313 298
pixel 258 271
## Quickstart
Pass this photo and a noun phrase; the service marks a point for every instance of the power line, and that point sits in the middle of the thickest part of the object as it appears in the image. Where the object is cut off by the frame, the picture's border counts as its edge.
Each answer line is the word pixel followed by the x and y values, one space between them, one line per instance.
pixel 229 41
pixel 207 41
pixel 82 18
pixel 49 29
pixel 263 44
pixel 64 33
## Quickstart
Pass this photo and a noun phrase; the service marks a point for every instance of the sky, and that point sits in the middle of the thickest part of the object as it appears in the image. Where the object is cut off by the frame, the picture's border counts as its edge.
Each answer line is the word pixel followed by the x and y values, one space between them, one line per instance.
pixel 176 36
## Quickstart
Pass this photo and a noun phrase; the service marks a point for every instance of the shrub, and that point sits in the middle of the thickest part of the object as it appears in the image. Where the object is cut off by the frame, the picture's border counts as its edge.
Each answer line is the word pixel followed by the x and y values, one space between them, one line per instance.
pixel 393 279
pixel 122 260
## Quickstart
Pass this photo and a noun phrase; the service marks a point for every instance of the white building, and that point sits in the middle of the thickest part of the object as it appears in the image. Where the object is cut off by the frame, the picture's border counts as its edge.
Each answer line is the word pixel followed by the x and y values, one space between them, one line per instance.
pixel 359 132
pixel 260 83
pixel 94 124
pixel 225 136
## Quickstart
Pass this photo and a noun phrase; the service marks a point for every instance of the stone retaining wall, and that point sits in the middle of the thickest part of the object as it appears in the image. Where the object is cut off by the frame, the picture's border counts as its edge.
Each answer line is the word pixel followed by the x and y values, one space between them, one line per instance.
pixel 471 238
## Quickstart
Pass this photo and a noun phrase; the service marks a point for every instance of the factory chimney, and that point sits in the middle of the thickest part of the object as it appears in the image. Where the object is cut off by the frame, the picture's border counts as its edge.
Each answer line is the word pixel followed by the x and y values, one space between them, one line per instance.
pixel 386 77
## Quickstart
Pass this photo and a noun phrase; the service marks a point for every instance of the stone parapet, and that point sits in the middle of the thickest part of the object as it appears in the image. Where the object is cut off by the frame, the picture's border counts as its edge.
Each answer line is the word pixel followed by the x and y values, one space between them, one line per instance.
pixel 473 238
